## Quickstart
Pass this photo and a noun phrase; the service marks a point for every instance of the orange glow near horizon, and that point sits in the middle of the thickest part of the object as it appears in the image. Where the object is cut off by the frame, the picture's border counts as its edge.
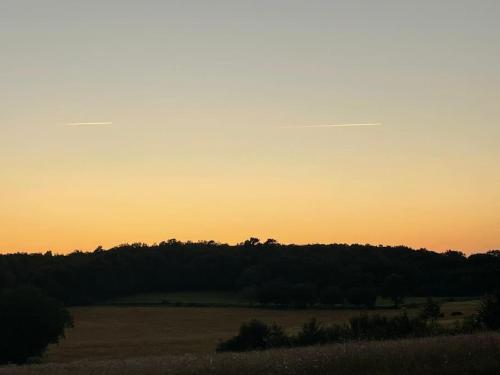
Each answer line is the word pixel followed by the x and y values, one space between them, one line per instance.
pixel 75 211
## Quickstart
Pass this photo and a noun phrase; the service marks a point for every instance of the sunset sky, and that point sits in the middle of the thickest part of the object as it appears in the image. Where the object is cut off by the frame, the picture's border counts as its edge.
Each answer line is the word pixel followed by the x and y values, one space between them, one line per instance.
pixel 139 121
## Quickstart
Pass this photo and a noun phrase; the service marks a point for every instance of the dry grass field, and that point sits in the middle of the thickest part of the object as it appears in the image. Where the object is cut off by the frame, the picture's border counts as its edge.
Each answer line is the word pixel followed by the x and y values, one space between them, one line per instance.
pixel 111 332
pixel 460 355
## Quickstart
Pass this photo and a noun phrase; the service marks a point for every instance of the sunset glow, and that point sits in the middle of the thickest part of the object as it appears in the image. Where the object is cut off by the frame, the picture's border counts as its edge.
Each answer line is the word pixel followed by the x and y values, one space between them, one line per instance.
pixel 182 125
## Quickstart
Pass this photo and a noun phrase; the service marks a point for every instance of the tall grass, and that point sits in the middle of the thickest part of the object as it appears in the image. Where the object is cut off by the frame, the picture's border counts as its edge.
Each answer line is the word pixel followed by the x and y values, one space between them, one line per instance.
pixel 457 355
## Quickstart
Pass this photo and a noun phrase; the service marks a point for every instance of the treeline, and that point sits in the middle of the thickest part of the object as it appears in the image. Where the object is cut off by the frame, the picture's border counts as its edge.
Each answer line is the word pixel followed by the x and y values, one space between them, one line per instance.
pixel 266 273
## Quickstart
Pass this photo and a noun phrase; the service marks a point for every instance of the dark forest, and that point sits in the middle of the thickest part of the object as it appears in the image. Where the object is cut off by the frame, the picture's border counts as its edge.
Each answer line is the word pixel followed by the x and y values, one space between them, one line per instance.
pixel 264 272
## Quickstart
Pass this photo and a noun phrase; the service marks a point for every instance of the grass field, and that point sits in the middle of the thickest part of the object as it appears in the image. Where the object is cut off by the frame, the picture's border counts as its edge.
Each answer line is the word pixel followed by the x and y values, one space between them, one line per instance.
pixel 460 355
pixel 221 299
pixel 118 332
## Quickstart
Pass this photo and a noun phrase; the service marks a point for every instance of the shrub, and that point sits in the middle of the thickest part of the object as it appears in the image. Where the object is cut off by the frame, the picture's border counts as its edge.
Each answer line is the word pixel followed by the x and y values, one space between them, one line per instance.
pixel 368 327
pixel 257 335
pixel 252 336
pixel 29 322
pixel 489 311
pixel 431 310
pixel 276 337
pixel 312 333
pixel 376 327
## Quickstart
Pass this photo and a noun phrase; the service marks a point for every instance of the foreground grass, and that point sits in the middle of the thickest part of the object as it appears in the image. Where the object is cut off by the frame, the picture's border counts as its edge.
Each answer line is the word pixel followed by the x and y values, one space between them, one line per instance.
pixel 468 354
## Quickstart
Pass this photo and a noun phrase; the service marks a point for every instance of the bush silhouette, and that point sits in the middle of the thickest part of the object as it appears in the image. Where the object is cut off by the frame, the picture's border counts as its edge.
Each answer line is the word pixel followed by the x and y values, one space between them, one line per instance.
pixel 252 336
pixel 29 322
pixel 431 310
pixel 256 335
pixel 312 333
pixel 489 311
pixel 377 327
pixel 276 337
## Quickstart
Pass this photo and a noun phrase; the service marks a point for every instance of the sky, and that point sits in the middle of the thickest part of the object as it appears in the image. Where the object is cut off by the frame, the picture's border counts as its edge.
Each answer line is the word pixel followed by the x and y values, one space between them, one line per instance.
pixel 139 121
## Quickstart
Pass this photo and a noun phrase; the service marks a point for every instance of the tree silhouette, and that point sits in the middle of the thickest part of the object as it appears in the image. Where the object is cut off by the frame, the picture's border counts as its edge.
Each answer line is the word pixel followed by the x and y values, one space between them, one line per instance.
pixel 489 311
pixel 252 241
pixel 431 310
pixel 29 322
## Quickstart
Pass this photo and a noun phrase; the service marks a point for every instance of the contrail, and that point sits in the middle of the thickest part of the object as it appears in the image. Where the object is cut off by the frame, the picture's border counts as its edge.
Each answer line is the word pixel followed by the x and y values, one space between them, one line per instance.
pixel 330 126
pixel 88 123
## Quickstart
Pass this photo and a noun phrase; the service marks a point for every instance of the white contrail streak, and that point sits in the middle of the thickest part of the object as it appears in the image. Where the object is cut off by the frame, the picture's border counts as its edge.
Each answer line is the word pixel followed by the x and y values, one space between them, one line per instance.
pixel 331 126
pixel 89 123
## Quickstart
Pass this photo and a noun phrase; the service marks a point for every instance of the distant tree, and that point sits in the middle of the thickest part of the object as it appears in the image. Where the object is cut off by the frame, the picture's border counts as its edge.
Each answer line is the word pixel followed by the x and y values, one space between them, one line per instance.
pixel 395 287
pixel 489 311
pixel 98 249
pixel 455 256
pixel 252 241
pixel 170 242
pixel 494 253
pixel 249 294
pixel 431 310
pixel 271 242
pixel 29 322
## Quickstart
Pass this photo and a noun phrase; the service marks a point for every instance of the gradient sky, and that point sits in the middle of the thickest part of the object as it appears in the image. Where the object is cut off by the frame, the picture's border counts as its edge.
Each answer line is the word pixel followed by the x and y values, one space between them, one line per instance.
pixel 203 95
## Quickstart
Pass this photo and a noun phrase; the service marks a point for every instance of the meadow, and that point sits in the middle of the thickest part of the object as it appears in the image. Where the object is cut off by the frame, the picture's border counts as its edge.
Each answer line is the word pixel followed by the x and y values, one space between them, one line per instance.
pixel 122 332
pixel 458 355
pixel 232 299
